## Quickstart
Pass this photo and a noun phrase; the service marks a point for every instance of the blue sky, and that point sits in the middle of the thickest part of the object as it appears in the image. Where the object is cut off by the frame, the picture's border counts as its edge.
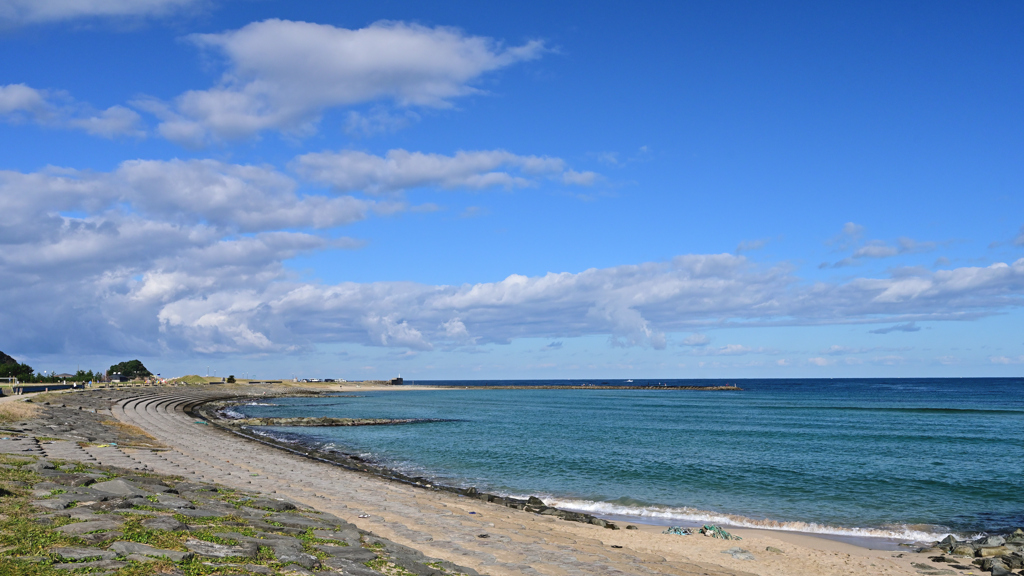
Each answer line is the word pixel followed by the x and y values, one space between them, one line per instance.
pixel 537 190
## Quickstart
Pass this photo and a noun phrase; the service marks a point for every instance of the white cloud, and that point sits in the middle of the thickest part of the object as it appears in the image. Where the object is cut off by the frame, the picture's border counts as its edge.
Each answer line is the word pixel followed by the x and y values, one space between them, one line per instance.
pixel 19 98
pixel 1007 359
pixel 350 170
pixel 875 249
pixel 31 11
pixel 283 75
pixel 696 340
pixel 110 123
pixel 189 255
pixel 21 103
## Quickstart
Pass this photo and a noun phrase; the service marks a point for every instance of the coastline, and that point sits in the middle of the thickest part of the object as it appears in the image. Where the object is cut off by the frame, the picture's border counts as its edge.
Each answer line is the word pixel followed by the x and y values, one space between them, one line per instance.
pixel 491 539
pixel 829 535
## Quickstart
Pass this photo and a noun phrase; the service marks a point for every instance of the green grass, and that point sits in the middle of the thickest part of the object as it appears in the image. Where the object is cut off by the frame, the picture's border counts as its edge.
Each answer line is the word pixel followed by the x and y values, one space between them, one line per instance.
pixel 22 536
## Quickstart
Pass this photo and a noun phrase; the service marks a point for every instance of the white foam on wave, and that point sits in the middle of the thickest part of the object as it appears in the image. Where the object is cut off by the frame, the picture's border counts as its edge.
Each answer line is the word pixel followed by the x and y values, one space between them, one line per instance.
pixel 233 414
pixel 660 515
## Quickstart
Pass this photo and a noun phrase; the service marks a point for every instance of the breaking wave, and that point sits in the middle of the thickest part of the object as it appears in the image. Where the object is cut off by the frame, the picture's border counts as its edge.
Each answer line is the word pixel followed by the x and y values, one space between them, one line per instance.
pixel 664 515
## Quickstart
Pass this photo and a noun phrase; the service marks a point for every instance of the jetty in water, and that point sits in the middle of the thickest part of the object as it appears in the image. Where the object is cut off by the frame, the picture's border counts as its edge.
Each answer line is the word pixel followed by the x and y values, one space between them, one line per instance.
pixel 728 387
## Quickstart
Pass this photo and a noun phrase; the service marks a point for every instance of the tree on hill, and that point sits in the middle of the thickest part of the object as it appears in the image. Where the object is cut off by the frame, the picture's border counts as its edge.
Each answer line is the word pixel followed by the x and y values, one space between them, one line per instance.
pixel 11 367
pixel 131 369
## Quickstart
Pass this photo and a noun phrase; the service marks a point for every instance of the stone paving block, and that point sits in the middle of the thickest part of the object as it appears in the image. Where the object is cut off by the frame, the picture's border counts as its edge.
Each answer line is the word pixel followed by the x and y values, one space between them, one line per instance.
pixel 211 550
pixel 80 528
pixel 126 548
pixel 79 554
pixel 98 564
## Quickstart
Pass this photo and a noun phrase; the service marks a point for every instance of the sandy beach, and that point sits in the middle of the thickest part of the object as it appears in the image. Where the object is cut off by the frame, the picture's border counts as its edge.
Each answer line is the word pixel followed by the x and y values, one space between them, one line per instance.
pixel 489 538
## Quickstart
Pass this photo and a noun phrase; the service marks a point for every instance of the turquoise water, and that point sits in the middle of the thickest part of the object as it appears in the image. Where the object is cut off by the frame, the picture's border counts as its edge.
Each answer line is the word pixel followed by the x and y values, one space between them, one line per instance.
pixel 907 458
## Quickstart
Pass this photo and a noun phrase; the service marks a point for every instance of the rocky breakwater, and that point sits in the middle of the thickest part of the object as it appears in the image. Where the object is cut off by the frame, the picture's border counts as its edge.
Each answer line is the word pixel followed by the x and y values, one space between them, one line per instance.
pixel 322 421
pixel 532 504
pixel 1002 555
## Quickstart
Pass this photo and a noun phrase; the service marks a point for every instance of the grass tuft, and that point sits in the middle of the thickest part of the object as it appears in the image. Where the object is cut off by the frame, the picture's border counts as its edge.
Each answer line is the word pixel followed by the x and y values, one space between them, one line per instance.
pixel 17 411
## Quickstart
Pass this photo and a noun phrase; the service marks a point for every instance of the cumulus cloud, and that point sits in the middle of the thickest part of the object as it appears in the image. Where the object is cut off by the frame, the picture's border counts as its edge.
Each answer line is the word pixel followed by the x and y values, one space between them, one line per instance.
pixel 190 255
pixel 282 75
pixel 350 170
pixel 21 103
pixel 851 236
pixel 227 196
pixel 635 305
pixel 32 11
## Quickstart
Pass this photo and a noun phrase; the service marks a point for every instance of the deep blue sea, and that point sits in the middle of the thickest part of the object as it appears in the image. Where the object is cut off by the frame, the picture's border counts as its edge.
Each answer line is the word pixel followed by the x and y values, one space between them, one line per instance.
pixel 902 458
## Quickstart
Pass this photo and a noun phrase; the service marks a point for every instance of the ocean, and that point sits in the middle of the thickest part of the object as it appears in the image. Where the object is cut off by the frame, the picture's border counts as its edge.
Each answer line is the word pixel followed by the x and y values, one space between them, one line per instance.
pixel 910 459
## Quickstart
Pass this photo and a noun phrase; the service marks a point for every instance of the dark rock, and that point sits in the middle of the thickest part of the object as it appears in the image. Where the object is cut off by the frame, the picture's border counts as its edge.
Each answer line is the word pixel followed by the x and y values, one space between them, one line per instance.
pixel 173 501
pixel 73 479
pixel 79 554
pixel 163 523
pixel 39 466
pixel 287 551
pixel 598 522
pixel 631 527
pixel 349 567
pixel 51 503
pixel 193 487
pixel 80 528
pixel 204 512
pixel 999 569
pixel 348 535
pixel 296 521
pixel 534 501
pixel 99 537
pixel 131 502
pixel 261 525
pixel 119 487
pixel 611 526
pixel 275 505
pixel 353 553
pixel 126 548
pixel 211 550
pixel 97 565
